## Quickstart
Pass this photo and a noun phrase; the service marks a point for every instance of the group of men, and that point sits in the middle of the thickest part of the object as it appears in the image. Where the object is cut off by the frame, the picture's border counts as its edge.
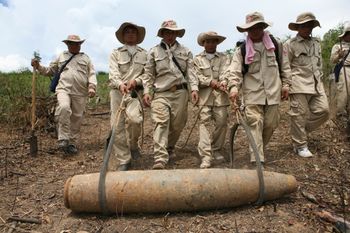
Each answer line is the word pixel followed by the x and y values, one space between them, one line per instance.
pixel 261 73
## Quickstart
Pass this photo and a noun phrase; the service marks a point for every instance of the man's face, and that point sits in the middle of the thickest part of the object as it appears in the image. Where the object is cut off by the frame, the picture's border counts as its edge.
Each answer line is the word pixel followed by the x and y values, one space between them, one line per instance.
pixel 130 35
pixel 74 47
pixel 210 45
pixel 256 33
pixel 169 36
pixel 305 29
pixel 346 37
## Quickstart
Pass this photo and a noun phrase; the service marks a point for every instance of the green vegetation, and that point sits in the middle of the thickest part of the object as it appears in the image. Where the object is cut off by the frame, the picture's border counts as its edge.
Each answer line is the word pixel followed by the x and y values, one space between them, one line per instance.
pixel 15 95
pixel 329 39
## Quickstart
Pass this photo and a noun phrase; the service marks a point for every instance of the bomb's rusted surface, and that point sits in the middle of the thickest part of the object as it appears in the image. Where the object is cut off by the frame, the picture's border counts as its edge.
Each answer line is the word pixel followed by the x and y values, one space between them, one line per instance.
pixel 173 190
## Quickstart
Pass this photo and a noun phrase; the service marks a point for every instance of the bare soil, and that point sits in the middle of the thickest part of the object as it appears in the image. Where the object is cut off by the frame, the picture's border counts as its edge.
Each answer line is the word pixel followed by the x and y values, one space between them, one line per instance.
pixel 32 187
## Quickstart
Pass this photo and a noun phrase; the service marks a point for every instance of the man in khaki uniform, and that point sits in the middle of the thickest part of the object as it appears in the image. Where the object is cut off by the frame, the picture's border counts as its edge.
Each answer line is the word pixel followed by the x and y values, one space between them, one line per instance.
pixel 308 101
pixel 77 82
pixel 265 82
pixel 168 76
pixel 126 65
pixel 339 52
pixel 209 66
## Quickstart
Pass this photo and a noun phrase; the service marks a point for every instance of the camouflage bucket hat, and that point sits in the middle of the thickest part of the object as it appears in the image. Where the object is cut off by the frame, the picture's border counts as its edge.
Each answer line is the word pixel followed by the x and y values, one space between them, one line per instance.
pixel 209 35
pixel 172 26
pixel 345 29
pixel 251 20
pixel 304 18
pixel 141 32
pixel 73 38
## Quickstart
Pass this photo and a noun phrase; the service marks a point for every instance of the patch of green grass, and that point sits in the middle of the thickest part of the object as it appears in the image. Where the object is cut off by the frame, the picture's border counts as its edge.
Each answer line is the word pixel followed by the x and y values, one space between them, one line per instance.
pixel 16 89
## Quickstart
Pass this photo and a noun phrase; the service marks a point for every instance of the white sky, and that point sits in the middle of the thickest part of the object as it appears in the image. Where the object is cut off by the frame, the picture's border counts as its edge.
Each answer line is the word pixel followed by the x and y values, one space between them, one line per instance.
pixel 40 25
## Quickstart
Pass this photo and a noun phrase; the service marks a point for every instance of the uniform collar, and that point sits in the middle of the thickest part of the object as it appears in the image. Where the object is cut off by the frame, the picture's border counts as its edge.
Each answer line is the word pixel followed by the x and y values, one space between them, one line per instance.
pixel 124 48
pixel 204 53
pixel 299 38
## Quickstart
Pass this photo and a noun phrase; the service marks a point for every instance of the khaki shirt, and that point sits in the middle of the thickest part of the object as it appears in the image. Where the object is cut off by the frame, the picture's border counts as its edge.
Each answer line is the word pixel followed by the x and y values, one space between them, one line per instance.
pixel 306 63
pixel 335 53
pixel 124 66
pixel 161 74
pixel 262 84
pixel 207 70
pixel 76 77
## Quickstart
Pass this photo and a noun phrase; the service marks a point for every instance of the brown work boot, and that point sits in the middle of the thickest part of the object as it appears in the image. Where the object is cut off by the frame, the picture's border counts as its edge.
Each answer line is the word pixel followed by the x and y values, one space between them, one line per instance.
pixel 158 165
pixel 123 167
pixel 171 152
pixel 135 153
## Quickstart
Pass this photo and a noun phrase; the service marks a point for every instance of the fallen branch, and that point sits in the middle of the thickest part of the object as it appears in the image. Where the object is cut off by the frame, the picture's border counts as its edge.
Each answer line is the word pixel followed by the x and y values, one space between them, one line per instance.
pixel 25 220
pixel 340 223
pixel 12 227
pixel 99 113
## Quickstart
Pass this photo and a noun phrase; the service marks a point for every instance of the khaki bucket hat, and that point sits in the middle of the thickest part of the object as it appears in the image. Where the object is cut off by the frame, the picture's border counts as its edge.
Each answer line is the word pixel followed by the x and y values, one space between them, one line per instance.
pixel 171 25
pixel 141 32
pixel 251 20
pixel 304 18
pixel 345 29
pixel 209 35
pixel 73 38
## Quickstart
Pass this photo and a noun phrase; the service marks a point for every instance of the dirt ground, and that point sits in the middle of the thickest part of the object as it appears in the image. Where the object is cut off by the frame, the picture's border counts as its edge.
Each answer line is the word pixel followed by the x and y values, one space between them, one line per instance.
pixel 32 187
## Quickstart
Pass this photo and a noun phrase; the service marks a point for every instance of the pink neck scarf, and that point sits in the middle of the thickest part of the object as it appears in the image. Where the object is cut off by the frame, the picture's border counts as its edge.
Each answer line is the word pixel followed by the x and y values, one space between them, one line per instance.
pixel 249 47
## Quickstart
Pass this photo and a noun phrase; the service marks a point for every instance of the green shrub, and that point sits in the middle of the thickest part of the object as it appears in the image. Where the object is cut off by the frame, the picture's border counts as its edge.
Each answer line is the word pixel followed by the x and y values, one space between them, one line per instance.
pixel 15 95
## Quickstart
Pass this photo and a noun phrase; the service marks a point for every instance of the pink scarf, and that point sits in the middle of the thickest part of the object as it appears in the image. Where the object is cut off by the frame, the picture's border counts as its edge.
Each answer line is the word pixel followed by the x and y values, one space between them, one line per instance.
pixel 249 47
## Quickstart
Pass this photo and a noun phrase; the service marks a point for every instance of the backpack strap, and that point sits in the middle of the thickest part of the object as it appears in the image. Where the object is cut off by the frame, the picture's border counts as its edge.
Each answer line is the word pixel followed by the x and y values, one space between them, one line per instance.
pixel 162 44
pixel 245 66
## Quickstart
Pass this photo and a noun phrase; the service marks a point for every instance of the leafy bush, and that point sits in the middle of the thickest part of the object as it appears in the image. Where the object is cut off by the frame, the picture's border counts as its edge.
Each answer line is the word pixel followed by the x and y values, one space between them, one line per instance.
pixel 15 95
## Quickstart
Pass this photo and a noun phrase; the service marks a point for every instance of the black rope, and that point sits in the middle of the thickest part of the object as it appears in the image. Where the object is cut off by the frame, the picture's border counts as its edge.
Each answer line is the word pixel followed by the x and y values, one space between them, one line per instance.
pixel 252 143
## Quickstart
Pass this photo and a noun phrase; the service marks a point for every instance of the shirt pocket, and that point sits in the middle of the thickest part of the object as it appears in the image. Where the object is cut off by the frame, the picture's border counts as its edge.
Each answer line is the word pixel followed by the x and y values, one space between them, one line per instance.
pixel 61 64
pixel 82 66
pixel 271 59
pixel 205 70
pixel 124 63
pixel 254 67
pixel 162 63
pixel 182 60
pixel 301 58
pixel 139 63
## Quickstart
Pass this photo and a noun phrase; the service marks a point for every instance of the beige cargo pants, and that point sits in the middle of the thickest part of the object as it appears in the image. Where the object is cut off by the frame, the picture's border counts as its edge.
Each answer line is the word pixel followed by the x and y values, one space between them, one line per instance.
pixel 343 97
pixel 169 116
pixel 212 138
pixel 307 113
pixel 69 115
pixel 262 121
pixel 127 133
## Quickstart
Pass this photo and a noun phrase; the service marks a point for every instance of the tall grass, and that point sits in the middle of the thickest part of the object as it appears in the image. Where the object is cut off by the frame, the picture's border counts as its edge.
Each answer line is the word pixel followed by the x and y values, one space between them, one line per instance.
pixel 15 95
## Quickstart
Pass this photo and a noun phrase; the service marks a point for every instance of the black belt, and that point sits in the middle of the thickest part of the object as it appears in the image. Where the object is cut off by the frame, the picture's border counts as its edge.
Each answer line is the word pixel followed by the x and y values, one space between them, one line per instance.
pixel 176 87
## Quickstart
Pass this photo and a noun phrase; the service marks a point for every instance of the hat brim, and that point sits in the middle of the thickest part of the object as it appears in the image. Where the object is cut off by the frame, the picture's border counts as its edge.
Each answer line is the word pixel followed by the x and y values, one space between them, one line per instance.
pixel 294 26
pixel 141 32
pixel 180 32
pixel 74 41
pixel 344 32
pixel 245 27
pixel 203 37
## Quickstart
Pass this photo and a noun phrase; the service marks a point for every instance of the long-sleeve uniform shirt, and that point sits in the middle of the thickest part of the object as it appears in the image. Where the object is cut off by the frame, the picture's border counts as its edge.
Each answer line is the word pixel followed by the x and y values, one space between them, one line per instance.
pixel 206 71
pixel 306 63
pixel 161 73
pixel 262 83
pixel 336 51
pixel 76 77
pixel 124 66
